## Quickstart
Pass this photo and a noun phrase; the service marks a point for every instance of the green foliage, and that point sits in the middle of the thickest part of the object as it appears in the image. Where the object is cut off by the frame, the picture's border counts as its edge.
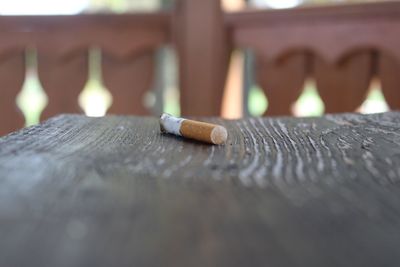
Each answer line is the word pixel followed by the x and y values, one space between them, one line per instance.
pixel 309 102
pixel 171 101
pixel 257 101
pixel 32 99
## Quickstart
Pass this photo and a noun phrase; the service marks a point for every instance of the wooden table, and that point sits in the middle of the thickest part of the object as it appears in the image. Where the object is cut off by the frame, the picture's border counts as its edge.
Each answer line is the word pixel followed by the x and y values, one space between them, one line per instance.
pixel 113 191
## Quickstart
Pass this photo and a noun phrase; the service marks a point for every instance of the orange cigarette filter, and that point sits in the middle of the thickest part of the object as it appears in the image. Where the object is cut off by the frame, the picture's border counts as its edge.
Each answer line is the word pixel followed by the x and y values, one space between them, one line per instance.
pixel 197 130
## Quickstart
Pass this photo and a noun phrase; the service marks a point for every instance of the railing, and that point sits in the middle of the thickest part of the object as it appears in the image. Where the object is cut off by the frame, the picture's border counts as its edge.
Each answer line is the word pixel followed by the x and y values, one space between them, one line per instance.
pixel 128 44
pixel 341 47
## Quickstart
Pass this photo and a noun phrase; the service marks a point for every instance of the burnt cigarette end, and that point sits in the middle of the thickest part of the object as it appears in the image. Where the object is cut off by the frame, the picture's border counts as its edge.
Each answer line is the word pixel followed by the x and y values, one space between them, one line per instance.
pixel 219 135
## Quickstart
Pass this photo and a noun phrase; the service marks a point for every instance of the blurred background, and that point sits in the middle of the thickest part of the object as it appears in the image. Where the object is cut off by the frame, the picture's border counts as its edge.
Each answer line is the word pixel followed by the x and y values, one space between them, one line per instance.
pixel 95 98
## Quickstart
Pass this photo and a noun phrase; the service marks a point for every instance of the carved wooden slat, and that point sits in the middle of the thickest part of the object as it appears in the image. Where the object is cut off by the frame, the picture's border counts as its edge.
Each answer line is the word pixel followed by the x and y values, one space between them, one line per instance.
pixel 282 81
pixel 389 73
pixel 329 31
pixel 343 85
pixel 63 78
pixel 128 79
pixel 12 75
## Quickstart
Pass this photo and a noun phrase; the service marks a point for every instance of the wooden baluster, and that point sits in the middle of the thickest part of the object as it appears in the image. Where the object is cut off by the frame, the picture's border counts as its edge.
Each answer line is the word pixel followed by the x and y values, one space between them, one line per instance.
pixel 282 81
pixel 203 52
pixel 12 75
pixel 62 76
pixel 343 86
pixel 128 79
pixel 389 73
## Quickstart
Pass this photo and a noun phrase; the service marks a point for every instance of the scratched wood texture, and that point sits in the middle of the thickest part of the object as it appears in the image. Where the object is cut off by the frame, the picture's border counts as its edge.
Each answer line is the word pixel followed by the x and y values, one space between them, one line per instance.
pixel 113 191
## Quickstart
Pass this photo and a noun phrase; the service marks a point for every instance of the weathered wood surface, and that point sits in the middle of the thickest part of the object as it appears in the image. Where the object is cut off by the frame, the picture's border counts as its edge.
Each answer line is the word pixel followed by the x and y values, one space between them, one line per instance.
pixel 113 191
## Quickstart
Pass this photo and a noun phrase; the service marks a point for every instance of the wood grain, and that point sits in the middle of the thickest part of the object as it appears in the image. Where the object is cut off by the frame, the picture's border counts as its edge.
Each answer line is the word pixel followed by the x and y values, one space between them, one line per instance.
pixel 113 191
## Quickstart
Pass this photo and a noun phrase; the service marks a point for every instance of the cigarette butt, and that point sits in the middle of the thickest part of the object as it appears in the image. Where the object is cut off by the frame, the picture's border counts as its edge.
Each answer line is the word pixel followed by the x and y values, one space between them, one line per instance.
pixel 197 130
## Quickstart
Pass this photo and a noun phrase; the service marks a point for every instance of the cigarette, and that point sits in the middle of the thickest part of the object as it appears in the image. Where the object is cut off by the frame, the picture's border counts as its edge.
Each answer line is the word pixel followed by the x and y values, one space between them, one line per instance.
pixel 197 130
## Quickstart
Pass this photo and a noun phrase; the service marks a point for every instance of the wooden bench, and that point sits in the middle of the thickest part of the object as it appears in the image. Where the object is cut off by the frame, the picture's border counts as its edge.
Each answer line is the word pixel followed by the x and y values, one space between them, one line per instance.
pixel 114 191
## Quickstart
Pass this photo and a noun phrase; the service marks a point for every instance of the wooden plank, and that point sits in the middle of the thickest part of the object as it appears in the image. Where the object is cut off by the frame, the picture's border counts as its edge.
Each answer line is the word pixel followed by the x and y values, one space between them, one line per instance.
pixel 118 34
pixel 78 191
pixel 329 40
pixel 12 76
pixel 83 22
pixel 326 31
pixel 343 85
pixel 324 13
